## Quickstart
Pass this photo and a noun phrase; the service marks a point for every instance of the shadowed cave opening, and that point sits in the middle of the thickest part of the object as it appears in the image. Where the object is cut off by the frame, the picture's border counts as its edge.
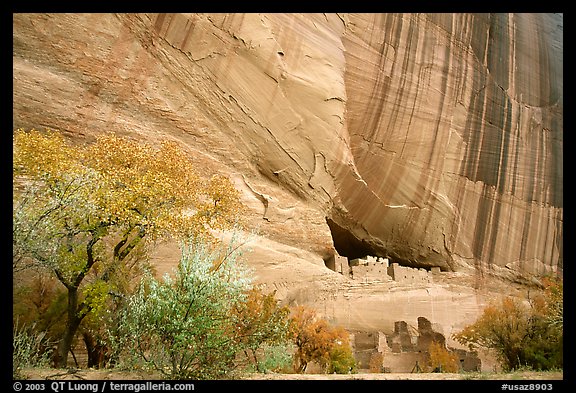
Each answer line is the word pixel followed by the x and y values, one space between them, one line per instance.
pixel 347 244
pixel 351 247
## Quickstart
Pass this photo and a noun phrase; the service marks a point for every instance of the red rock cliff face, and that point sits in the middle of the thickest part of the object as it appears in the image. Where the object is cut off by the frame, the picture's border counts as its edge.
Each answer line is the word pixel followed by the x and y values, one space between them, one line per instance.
pixel 455 124
pixel 434 139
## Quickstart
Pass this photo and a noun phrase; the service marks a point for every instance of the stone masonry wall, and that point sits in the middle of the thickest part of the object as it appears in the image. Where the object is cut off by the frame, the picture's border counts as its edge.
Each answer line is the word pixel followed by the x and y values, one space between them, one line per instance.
pixel 372 268
pixel 409 275
pixel 406 349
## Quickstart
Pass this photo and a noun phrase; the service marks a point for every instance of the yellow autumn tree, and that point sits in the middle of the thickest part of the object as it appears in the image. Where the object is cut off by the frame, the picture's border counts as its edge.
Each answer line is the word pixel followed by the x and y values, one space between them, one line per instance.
pixel 317 341
pixel 80 211
pixel 441 359
pixel 522 333
pixel 260 320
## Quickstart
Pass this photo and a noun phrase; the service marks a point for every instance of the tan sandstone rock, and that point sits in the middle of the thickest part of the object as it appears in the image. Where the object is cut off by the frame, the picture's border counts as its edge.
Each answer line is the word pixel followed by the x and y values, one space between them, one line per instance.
pixel 433 139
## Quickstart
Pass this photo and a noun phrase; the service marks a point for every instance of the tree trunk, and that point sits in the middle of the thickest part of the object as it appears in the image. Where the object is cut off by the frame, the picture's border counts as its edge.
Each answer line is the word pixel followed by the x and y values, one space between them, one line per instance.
pixel 300 366
pixel 72 324
pixel 255 360
pixel 97 353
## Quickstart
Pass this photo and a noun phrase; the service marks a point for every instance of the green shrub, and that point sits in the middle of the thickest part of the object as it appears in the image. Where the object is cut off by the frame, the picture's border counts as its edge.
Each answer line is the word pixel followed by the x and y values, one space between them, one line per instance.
pixel 184 327
pixel 341 358
pixel 277 358
pixel 29 349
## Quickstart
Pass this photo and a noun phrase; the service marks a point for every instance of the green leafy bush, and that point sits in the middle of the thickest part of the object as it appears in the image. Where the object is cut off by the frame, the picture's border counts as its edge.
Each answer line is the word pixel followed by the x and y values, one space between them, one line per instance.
pixel 341 358
pixel 183 326
pixel 276 358
pixel 28 349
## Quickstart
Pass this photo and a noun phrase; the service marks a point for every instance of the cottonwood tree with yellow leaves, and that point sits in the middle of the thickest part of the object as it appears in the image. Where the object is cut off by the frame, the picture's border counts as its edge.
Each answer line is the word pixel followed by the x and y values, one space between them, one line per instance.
pixel 80 211
pixel 261 320
pixel 316 340
pixel 523 333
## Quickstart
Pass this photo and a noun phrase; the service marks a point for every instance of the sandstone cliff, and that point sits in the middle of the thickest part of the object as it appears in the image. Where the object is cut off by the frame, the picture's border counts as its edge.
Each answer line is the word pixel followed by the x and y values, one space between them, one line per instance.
pixel 434 139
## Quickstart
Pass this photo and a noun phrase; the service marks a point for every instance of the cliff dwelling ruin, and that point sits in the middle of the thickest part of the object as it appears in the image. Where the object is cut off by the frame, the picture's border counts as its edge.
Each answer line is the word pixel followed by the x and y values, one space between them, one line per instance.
pixel 359 260
pixel 370 268
pixel 406 350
